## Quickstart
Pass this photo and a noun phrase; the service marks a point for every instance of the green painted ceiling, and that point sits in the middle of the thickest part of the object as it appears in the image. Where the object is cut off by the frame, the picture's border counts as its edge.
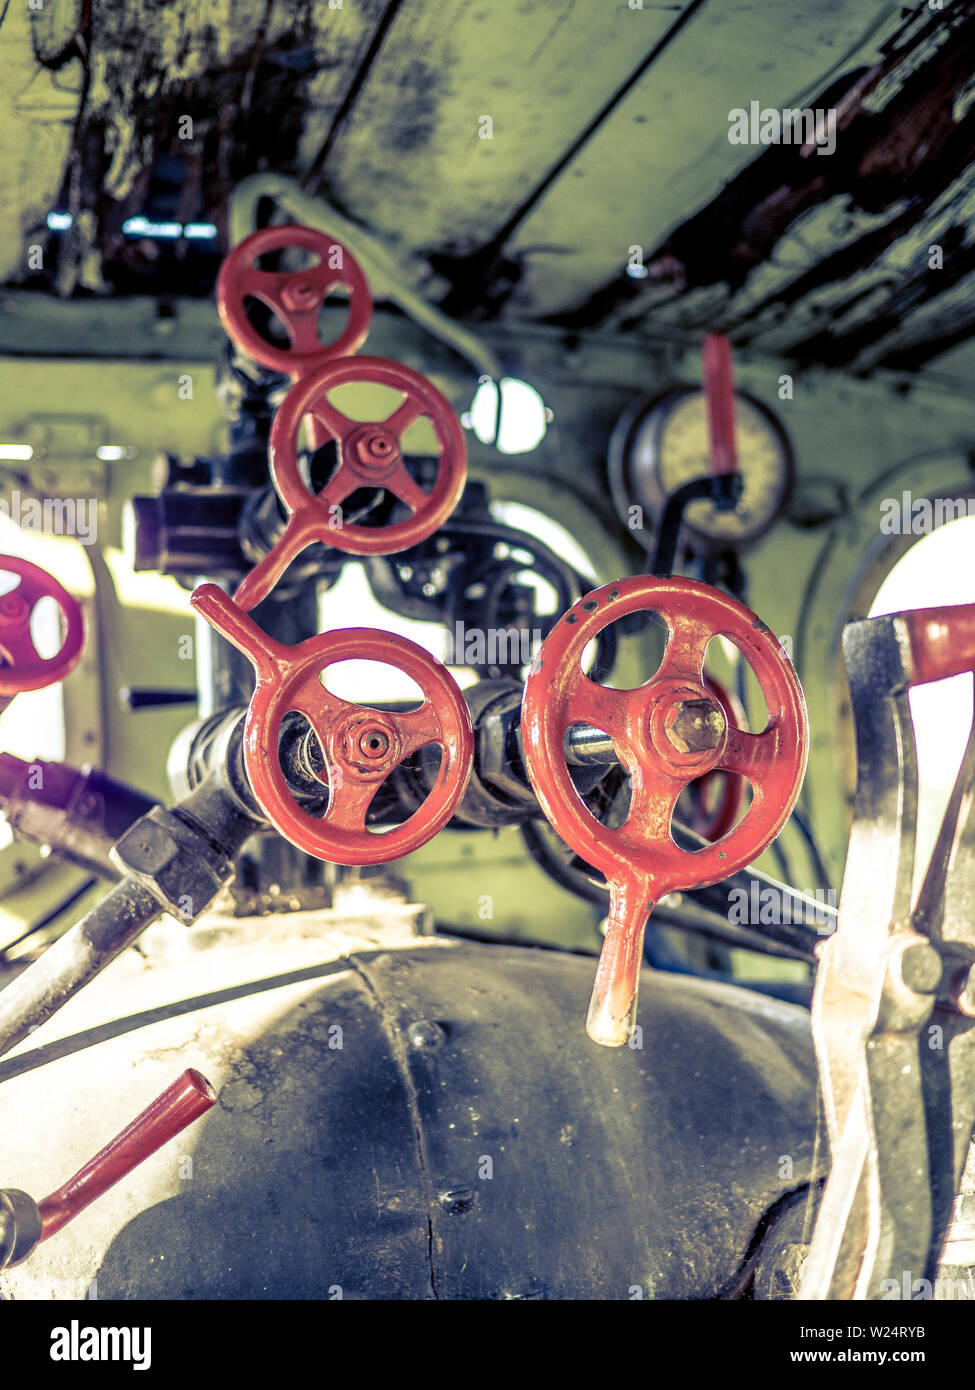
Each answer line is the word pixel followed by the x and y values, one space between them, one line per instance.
pixel 608 126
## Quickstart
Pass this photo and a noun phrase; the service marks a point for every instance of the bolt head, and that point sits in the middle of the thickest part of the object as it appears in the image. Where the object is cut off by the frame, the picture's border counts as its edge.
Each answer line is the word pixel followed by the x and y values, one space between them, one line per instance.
pixel 367 745
pixel 457 1200
pixel 695 726
pixel 374 743
pixel 921 968
pixel 425 1035
pixel 298 294
pixel 373 447
pixel 148 848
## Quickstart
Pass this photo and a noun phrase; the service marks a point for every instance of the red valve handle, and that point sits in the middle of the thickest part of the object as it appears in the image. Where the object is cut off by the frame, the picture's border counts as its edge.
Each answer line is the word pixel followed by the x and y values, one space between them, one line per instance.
pixel 942 641
pixel 21 665
pixel 728 790
pixel 360 746
pixel 296 296
pixel 719 392
pixel 178 1106
pixel 664 741
pixel 370 456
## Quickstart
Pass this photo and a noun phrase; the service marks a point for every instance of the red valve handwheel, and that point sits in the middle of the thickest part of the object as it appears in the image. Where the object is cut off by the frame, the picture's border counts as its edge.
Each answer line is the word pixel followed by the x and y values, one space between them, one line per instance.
pixel 21 665
pixel 717 796
pixel 370 455
pixel 296 296
pixel 360 746
pixel 657 734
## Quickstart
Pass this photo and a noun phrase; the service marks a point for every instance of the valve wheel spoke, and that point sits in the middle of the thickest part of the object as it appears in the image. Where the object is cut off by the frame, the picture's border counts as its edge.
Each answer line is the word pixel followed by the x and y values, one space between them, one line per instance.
pixel 32 590
pixel 348 802
pixel 652 808
pixel 343 482
pixel 302 325
pixel 601 707
pixel 18 647
pixel 325 278
pixel 750 755
pixel 336 423
pixel 320 707
pixel 401 485
pixel 265 285
pixel 419 727
pixel 404 416
pixel 683 656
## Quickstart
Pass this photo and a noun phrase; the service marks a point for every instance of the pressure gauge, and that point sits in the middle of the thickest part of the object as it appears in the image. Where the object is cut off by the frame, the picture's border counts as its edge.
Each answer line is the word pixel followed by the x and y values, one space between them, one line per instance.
pixel 660 445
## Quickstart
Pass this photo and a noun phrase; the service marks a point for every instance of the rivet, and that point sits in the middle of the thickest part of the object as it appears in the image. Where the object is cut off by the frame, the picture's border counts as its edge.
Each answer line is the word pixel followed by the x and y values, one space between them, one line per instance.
pixel 457 1200
pixel 425 1035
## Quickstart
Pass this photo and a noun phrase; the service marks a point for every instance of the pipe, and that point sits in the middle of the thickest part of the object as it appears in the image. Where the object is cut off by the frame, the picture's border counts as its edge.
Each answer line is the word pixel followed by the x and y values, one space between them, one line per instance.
pixel 78 812
pixel 187 851
pixel 75 959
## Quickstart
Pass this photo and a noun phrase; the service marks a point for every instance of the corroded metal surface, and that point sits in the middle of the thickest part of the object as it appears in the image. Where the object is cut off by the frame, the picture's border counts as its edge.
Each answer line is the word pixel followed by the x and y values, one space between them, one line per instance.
pixel 495 147
pixel 410 1117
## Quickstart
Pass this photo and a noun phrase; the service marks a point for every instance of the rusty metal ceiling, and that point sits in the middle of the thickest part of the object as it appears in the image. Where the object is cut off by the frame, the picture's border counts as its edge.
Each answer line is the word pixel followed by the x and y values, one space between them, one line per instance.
pixel 608 134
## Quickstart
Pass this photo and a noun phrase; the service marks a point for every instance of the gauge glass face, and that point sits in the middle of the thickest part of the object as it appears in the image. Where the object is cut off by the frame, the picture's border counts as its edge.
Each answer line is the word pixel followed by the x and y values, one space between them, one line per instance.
pixel 683 454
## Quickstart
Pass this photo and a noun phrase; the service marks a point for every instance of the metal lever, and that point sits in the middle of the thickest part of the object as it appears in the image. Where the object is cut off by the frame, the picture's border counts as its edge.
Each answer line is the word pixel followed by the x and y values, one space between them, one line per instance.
pixel 724 484
pixel 78 812
pixel 899 1116
pixel 719 394
pixel 173 861
pixel 24 1223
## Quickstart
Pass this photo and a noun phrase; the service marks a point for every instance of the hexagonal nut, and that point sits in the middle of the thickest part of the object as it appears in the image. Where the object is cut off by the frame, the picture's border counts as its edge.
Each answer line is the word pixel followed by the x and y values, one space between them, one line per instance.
pixel 187 885
pixel 179 877
pixel 146 848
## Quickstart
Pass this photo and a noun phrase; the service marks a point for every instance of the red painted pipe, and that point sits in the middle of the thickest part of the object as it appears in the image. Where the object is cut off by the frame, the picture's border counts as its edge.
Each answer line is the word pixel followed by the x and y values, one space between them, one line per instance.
pixel 942 642
pixel 719 391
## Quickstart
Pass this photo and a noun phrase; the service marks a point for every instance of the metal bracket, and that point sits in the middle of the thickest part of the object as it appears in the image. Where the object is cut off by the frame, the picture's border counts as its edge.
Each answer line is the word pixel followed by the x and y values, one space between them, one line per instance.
pixel 899 1115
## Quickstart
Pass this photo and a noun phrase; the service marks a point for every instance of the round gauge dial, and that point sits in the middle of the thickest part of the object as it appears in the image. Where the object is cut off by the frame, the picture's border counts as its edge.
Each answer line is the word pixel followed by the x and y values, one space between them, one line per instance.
pixel 657 447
